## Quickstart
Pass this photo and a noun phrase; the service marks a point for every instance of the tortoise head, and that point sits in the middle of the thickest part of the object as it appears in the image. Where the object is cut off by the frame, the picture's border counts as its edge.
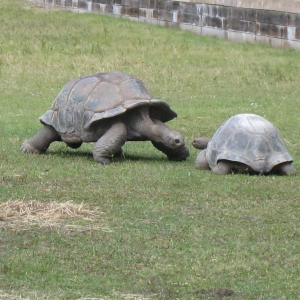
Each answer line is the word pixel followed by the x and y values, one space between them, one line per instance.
pixel 170 142
pixel 201 142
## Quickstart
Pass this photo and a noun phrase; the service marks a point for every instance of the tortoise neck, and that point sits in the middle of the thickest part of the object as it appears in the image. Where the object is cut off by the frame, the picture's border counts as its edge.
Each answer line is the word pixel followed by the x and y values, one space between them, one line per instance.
pixel 141 122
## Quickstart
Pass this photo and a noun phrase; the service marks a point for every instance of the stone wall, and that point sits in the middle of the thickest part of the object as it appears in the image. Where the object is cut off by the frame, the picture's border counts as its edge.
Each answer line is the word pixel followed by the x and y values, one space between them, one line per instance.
pixel 235 23
pixel 292 6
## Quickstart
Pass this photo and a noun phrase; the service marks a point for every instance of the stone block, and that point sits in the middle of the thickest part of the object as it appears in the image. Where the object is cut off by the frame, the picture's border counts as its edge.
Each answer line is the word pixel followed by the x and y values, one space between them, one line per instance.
pixel 278 43
pixel 280 32
pixel 200 8
pixel 164 15
pixel 152 14
pixel 131 3
pixel 212 11
pixel 272 30
pixel 174 5
pixel 236 36
pixel 96 7
pixel 189 18
pixel 168 24
pixel 262 39
pixel 185 27
pixel 117 10
pixel 209 31
pixel 107 2
pixel 134 19
pixel 242 14
pixel 164 4
pixel 189 8
pixel 170 16
pixel 216 22
pixel 147 4
pixel 149 21
pixel 69 3
pixel 291 33
pixel 109 9
pixel 292 45
pixel 297 33
pixel 131 11
pixel 224 11
pixel 241 25
pixel 271 17
pixel 196 30
pixel 81 4
pixel 293 20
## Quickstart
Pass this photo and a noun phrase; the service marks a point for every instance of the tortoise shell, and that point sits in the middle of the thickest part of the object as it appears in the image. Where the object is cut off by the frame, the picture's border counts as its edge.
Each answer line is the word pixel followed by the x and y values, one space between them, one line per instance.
pixel 248 139
pixel 86 100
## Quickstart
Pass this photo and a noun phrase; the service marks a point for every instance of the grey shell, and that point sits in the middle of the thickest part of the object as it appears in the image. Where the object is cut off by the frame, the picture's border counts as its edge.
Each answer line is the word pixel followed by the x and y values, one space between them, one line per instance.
pixel 249 139
pixel 86 100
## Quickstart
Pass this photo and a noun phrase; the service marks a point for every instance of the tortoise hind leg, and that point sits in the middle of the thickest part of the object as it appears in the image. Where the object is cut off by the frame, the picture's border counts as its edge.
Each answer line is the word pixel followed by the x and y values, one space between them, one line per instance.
pixel 285 169
pixel 110 144
pixel 223 167
pixel 41 141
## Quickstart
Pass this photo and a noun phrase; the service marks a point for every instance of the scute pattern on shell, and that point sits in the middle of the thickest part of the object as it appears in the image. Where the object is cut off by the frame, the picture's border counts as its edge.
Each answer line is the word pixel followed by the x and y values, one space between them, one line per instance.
pixel 86 100
pixel 249 139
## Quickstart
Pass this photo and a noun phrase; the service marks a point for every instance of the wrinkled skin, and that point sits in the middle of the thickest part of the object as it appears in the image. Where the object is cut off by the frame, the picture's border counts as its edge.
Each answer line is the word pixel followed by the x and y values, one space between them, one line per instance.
pixel 111 135
pixel 224 167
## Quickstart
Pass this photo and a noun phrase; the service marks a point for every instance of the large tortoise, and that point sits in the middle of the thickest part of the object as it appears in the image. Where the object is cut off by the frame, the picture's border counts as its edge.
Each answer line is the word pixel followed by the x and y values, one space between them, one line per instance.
pixel 245 143
pixel 109 109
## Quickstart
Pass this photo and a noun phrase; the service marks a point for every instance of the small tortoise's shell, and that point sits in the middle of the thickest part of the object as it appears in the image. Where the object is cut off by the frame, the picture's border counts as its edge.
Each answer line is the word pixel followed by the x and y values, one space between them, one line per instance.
pixel 86 100
pixel 248 139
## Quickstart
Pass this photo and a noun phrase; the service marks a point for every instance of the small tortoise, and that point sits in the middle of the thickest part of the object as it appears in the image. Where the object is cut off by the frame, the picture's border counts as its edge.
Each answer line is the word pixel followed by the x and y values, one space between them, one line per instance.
pixel 109 109
pixel 245 143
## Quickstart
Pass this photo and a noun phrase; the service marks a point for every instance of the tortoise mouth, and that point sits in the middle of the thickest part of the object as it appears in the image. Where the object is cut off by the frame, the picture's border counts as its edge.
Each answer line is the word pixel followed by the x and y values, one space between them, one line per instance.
pixel 179 154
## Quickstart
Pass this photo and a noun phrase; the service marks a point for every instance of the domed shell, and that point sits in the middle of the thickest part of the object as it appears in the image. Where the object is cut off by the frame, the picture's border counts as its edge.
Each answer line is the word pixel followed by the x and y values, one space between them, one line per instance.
pixel 249 139
pixel 86 100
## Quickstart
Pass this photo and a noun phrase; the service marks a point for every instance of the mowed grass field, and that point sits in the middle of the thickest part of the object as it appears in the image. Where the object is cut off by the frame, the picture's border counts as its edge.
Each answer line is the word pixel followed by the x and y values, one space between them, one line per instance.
pixel 144 227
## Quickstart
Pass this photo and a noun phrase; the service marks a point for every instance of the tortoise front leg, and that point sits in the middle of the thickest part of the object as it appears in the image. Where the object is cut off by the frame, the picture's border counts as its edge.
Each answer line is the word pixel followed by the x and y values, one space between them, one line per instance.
pixel 41 141
pixel 110 144
pixel 201 161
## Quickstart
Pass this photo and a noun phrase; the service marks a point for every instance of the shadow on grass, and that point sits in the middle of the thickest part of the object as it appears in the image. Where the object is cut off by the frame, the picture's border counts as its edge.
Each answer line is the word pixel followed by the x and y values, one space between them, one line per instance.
pixel 122 158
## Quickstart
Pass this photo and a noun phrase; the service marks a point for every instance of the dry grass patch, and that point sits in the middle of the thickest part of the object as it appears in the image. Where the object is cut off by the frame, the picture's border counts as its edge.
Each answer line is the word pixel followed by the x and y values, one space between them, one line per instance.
pixel 15 213
pixel 12 295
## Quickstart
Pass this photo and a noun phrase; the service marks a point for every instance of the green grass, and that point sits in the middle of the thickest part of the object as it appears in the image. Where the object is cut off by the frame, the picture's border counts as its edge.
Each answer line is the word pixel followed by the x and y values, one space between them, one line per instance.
pixel 166 230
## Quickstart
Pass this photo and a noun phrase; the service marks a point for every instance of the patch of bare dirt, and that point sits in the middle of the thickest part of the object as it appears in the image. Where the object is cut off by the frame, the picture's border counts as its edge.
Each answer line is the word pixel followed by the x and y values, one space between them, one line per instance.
pixel 214 293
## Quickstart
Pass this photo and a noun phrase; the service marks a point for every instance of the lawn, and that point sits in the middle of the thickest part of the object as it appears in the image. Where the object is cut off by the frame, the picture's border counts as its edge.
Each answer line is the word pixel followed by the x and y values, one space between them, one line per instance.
pixel 143 227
